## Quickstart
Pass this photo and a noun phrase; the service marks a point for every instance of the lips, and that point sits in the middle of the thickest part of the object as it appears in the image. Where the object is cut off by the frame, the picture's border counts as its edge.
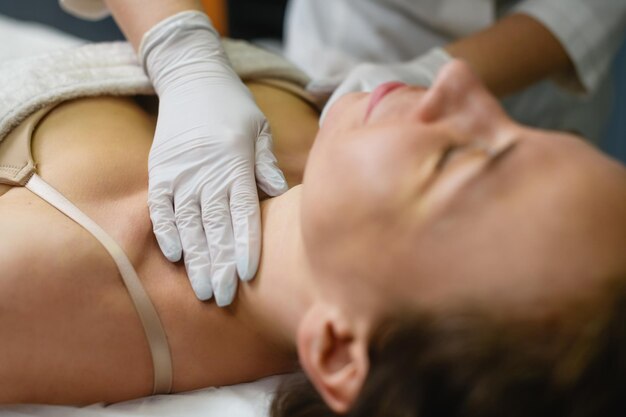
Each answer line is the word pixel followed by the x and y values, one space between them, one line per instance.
pixel 379 93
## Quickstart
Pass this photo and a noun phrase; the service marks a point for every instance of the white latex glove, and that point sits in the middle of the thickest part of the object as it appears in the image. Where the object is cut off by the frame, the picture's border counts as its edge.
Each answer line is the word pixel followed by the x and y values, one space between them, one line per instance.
pixel 210 141
pixel 366 77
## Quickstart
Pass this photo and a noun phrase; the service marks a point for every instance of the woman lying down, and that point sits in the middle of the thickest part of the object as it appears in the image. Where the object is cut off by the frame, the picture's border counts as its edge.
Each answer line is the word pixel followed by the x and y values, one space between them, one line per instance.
pixel 436 259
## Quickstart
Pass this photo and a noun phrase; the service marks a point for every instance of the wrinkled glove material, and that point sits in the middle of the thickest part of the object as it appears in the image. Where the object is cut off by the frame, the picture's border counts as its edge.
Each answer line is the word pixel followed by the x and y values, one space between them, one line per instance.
pixel 366 77
pixel 212 147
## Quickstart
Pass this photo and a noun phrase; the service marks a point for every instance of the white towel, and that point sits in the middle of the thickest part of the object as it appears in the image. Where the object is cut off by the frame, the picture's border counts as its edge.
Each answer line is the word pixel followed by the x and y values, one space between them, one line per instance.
pixel 21 39
pixel 31 83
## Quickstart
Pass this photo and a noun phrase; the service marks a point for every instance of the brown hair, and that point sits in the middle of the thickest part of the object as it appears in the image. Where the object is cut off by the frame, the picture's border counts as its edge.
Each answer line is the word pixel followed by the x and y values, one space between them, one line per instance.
pixel 473 364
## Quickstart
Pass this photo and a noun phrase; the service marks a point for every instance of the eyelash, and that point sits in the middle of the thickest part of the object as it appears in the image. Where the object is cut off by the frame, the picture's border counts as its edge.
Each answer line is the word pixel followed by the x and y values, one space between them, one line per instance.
pixel 445 156
pixel 451 149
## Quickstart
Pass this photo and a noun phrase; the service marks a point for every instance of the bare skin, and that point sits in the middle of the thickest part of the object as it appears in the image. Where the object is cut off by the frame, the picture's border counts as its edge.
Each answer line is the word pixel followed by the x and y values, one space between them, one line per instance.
pixel 413 200
pixel 135 19
pixel 516 52
pixel 83 336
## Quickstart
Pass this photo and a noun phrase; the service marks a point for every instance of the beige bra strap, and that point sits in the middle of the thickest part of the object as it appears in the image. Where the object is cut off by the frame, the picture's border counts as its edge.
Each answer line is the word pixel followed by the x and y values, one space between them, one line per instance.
pixel 157 340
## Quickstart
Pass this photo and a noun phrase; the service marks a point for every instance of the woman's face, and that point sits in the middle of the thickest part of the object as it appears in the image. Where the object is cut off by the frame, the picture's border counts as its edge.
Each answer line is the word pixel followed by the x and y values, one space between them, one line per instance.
pixel 415 197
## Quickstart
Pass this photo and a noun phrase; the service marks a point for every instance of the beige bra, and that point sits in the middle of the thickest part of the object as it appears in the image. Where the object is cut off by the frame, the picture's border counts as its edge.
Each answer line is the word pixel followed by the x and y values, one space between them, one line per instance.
pixel 17 168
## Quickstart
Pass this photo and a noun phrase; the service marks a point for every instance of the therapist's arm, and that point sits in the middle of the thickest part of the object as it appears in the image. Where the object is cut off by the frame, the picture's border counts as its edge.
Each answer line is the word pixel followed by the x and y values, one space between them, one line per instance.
pixel 514 53
pixel 135 17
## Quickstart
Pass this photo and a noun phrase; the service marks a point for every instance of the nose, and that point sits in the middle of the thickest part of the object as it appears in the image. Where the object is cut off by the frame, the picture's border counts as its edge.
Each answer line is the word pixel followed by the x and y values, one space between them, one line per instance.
pixel 459 95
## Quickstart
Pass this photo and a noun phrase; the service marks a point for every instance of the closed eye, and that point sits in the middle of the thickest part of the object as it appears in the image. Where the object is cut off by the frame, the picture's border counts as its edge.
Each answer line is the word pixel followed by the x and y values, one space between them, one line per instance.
pixel 446 156
pixel 453 150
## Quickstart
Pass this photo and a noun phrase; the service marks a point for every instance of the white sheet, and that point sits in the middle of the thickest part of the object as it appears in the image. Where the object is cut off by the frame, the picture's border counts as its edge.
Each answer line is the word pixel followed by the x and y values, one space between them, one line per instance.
pixel 243 400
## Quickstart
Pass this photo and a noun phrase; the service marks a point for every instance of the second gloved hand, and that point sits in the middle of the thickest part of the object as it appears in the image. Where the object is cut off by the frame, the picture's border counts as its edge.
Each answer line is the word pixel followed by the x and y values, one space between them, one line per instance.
pixel 211 142
pixel 366 77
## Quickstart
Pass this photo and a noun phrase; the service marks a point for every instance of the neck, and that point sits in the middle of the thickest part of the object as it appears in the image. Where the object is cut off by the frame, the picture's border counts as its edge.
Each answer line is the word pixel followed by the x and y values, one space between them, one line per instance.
pixel 275 301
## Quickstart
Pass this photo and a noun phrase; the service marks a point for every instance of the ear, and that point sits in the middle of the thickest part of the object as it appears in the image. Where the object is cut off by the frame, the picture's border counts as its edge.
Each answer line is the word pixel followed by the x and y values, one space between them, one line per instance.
pixel 333 352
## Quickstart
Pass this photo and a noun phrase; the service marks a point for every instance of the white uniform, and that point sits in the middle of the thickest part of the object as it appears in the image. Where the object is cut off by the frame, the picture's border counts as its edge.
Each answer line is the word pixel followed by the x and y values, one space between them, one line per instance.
pixel 329 37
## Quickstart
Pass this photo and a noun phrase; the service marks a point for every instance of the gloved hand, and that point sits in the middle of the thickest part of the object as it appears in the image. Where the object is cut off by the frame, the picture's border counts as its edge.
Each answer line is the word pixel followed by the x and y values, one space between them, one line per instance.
pixel 210 141
pixel 366 77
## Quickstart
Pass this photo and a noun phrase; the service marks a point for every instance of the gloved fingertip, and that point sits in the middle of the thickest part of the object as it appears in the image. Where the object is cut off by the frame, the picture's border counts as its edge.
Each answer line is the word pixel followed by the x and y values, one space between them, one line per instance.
pixel 225 289
pixel 173 254
pixel 245 271
pixel 199 274
pixel 272 180
pixel 225 286
pixel 172 250
pixel 168 239
pixel 278 187
pixel 224 300
pixel 247 244
pixel 202 289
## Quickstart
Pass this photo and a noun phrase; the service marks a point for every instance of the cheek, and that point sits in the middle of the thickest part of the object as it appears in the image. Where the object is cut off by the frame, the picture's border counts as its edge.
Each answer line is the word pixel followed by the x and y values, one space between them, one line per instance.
pixel 386 168
pixel 346 112
pixel 322 199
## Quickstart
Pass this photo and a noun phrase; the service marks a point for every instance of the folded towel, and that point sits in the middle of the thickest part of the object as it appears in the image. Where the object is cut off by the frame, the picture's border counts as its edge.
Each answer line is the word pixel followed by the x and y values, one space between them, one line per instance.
pixel 31 83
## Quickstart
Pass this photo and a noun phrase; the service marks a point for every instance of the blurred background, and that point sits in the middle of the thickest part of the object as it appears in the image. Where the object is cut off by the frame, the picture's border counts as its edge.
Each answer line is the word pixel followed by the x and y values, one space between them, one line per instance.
pixel 262 20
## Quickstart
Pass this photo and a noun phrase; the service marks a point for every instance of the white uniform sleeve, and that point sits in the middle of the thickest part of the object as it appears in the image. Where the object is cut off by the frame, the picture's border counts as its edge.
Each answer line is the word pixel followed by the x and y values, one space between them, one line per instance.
pixel 591 32
pixel 85 9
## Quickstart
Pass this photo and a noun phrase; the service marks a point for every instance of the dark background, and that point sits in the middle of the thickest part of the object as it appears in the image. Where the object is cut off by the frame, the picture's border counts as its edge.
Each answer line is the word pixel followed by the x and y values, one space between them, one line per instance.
pixel 247 19
pixel 49 12
pixel 250 19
